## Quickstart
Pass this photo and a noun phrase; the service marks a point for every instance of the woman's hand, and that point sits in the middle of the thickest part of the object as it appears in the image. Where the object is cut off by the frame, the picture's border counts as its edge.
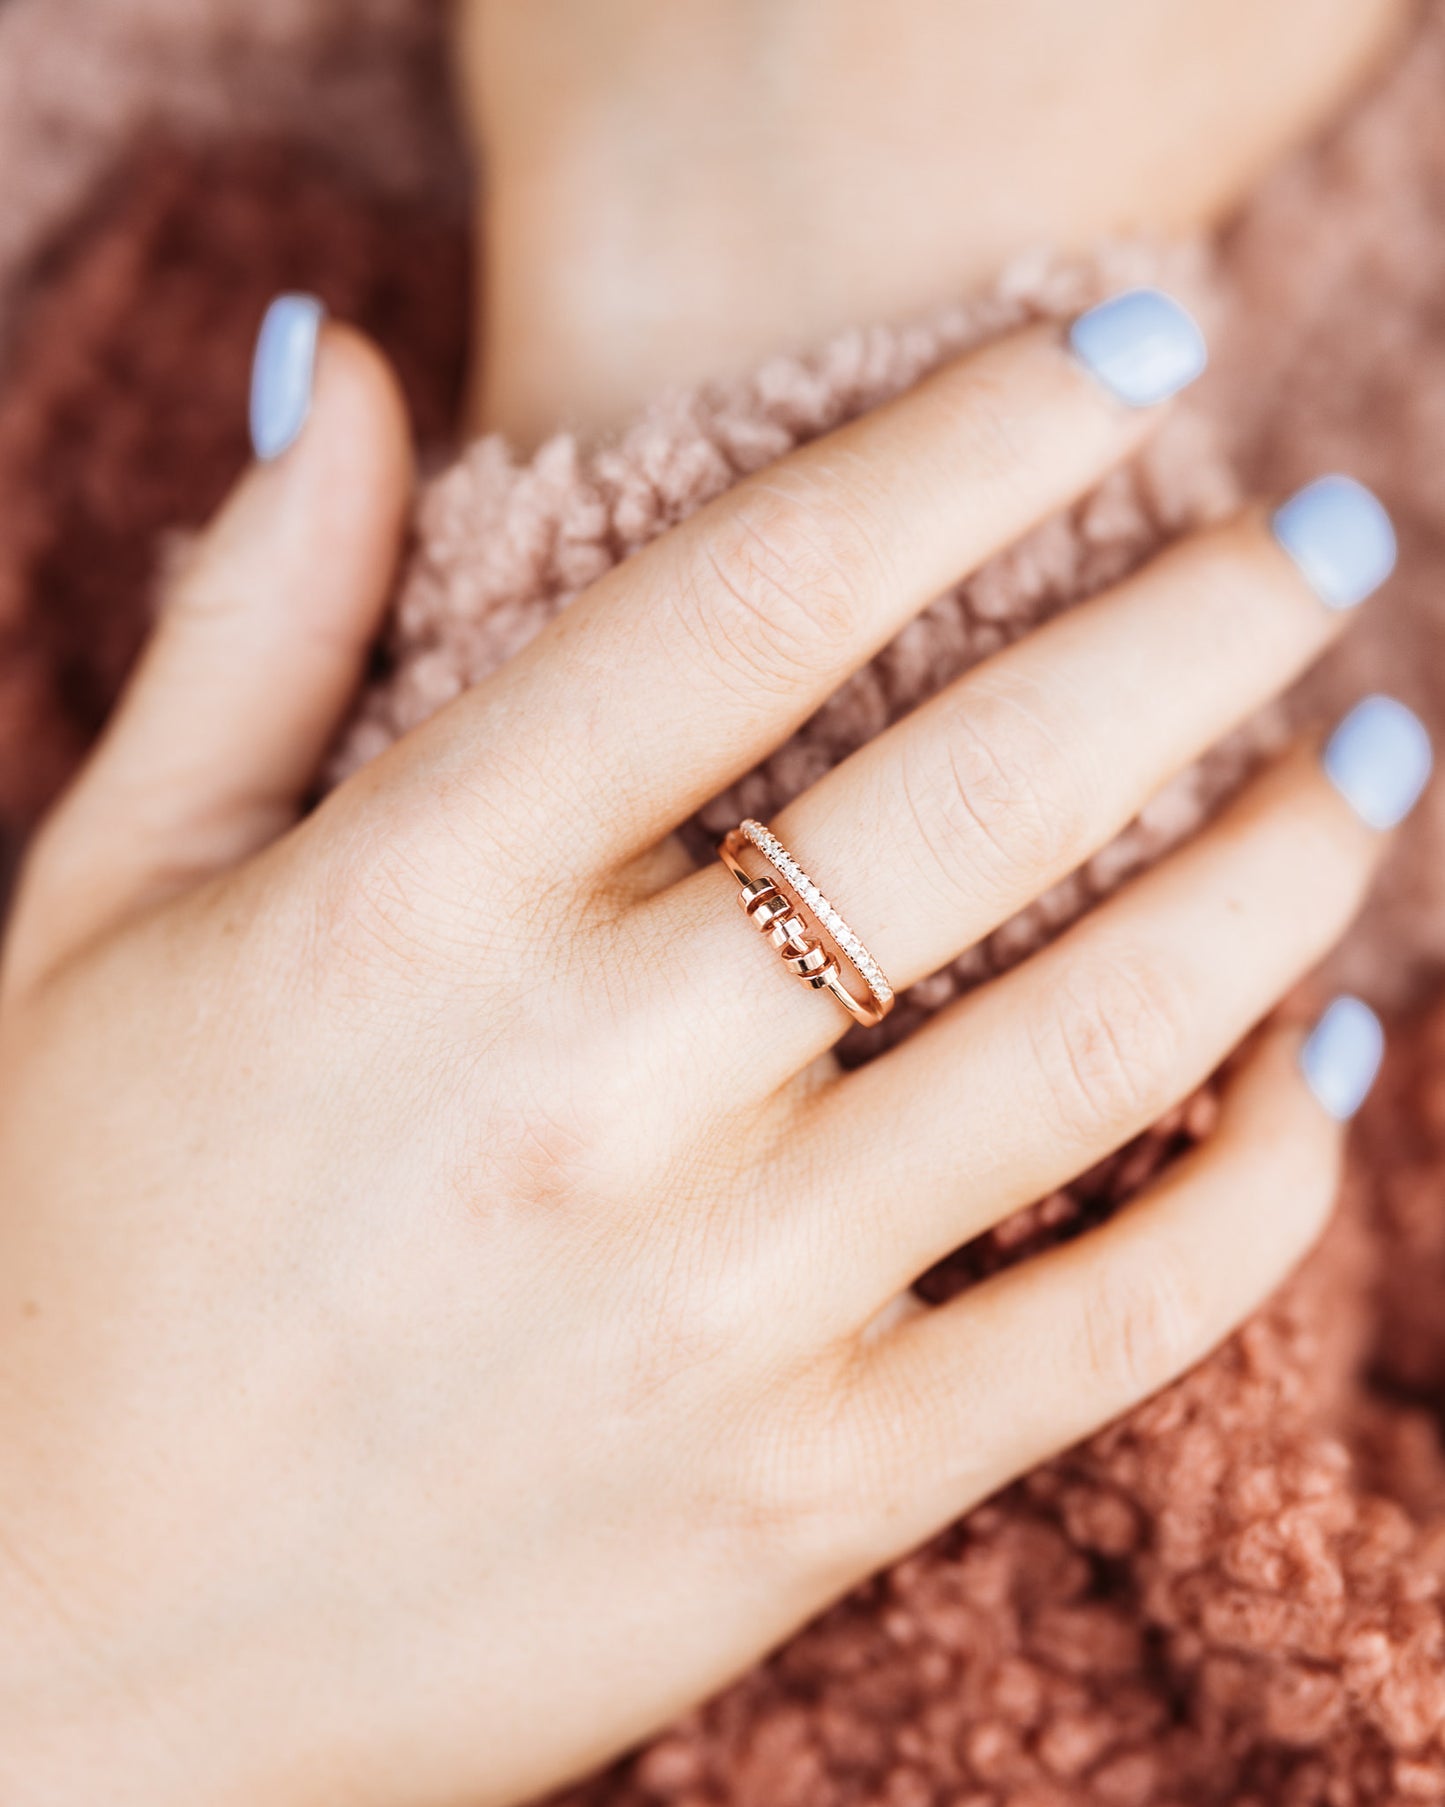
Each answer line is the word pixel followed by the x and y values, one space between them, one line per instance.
pixel 448 1297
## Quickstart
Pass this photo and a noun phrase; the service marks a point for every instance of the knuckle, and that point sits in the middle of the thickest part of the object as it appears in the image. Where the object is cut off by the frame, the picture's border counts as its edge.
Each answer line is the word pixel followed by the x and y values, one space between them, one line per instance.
pixel 1113 1036
pixel 992 430
pixel 372 906
pixel 1144 1322
pixel 1002 807
pixel 771 1463
pixel 554 1163
pixel 201 587
pixel 791 1510
pixel 353 952
pixel 786 585
pixel 419 880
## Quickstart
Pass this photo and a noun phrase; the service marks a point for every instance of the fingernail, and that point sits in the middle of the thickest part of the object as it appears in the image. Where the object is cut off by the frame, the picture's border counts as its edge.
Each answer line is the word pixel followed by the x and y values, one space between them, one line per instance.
pixel 1142 345
pixel 1379 760
pixel 1342 1055
pixel 284 373
pixel 1339 535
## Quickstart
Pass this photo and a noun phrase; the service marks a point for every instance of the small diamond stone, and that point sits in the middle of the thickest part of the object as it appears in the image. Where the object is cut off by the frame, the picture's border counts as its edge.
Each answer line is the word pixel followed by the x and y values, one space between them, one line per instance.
pixel 778 857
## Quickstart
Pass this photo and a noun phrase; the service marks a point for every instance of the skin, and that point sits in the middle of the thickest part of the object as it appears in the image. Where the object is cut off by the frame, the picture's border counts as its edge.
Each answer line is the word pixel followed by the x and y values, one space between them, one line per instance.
pixel 675 192
pixel 452 1308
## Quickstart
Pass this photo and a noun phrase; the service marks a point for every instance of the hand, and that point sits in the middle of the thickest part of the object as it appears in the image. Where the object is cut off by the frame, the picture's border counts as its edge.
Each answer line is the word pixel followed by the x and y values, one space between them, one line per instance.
pixel 449 1298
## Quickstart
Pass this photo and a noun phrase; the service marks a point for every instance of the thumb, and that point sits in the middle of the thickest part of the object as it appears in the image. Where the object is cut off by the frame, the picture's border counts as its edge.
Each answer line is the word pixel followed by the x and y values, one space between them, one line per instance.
pixel 261 642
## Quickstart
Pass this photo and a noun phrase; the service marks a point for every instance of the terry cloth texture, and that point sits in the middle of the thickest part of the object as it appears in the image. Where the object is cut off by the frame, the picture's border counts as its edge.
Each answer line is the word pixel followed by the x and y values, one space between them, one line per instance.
pixel 1234 1596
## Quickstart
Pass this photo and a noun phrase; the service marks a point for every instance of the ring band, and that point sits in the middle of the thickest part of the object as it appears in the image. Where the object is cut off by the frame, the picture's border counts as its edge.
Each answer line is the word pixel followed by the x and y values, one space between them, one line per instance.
pixel 778 911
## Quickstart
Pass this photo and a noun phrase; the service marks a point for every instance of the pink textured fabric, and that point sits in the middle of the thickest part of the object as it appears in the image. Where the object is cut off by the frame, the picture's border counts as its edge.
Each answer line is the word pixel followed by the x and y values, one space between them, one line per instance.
pixel 1234 1595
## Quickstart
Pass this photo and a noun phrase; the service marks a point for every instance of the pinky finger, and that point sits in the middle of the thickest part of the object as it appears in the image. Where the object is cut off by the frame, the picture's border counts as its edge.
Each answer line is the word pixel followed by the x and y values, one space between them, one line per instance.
pixel 958 1401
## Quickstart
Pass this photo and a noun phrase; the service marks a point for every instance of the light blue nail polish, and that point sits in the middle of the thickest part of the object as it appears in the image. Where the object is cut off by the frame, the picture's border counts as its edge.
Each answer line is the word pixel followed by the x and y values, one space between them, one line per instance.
pixel 1342 1055
pixel 1379 760
pixel 1339 535
pixel 283 373
pixel 1142 345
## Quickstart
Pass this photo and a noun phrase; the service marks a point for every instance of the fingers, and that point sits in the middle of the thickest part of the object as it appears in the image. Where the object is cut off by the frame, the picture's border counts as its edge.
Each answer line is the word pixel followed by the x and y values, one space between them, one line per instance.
pixel 958 1401
pixel 680 670
pixel 1036 1077
pixel 259 647
pixel 945 826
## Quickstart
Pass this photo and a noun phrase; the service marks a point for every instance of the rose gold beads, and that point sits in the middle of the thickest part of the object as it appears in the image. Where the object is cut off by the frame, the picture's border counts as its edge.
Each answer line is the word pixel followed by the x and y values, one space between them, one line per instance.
pixel 799 921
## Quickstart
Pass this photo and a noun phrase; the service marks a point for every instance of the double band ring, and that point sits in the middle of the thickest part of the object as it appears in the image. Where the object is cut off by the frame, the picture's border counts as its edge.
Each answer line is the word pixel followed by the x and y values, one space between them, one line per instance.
pixel 801 923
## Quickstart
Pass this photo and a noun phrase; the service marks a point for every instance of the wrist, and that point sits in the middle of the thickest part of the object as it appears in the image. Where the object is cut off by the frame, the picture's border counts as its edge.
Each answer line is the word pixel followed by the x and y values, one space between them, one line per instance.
pixel 674 196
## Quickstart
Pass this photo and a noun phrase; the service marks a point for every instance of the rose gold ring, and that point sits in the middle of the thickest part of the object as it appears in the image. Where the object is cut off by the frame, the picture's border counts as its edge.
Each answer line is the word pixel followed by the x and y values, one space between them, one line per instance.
pixel 791 911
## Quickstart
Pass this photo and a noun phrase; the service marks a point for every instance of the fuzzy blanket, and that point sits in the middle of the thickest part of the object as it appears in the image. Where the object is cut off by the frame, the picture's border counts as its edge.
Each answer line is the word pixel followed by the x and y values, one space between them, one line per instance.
pixel 1234 1596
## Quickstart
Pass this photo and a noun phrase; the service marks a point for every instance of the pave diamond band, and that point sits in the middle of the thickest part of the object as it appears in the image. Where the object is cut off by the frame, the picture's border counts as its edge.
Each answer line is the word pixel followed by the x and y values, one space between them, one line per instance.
pixel 789 914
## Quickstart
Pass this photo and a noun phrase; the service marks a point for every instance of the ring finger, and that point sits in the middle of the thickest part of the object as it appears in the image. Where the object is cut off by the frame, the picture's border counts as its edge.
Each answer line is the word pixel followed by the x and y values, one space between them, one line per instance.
pixel 1034 1078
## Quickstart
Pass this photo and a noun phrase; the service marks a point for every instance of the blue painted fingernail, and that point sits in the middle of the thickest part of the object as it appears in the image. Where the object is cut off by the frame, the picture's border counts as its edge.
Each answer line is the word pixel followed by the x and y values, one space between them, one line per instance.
pixel 1379 760
pixel 1339 535
pixel 284 373
pixel 1342 1055
pixel 1141 345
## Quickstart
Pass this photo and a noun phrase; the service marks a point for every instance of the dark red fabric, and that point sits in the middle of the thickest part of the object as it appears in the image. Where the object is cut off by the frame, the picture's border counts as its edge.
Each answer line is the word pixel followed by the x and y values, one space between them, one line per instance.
pixel 124 416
